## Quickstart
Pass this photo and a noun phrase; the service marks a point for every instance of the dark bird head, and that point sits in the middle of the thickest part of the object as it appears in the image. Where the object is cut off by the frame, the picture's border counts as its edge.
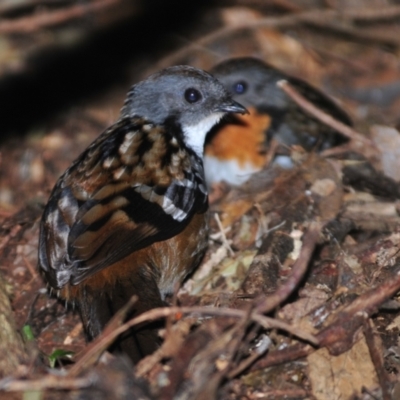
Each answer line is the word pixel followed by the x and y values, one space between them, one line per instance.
pixel 188 97
pixel 252 82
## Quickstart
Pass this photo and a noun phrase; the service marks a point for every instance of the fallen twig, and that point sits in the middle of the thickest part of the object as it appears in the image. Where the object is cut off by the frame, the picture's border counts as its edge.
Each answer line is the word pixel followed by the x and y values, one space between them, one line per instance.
pixel 94 350
pixel 45 382
pixel 265 304
pixel 375 351
pixel 271 22
pixel 224 240
pixel 37 21
pixel 247 362
pixel 353 316
pixel 358 142
pixel 336 336
pixel 374 14
pixel 276 357
pixel 322 18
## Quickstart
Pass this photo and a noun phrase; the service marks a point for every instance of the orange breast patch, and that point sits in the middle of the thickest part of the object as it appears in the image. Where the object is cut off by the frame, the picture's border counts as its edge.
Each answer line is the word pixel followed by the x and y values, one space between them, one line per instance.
pixel 244 141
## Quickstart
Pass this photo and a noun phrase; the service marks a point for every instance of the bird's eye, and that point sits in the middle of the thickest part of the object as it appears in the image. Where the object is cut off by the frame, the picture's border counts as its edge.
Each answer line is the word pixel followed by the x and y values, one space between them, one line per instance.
pixel 192 95
pixel 240 87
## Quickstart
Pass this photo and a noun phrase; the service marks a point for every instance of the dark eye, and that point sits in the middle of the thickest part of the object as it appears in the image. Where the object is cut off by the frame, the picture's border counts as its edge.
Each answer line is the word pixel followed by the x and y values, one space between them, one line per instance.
pixel 240 87
pixel 192 95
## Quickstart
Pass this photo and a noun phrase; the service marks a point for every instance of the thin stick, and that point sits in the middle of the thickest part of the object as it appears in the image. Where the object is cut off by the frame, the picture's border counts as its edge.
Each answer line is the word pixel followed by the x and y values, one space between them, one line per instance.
pixel 265 304
pixel 316 17
pixel 358 142
pixel 355 314
pixel 375 351
pixel 46 382
pixel 224 239
pixel 322 116
pixel 373 14
pixel 103 340
pixel 271 22
pixel 265 322
pixel 35 22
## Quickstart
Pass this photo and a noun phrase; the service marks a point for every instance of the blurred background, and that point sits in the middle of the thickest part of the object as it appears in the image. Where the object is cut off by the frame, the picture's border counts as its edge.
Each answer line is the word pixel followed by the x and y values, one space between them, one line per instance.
pixel 66 66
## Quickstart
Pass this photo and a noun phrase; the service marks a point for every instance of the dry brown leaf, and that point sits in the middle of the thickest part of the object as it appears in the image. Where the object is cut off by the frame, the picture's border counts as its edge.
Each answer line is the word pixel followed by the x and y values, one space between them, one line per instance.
pixel 288 54
pixel 297 312
pixel 341 377
pixel 232 270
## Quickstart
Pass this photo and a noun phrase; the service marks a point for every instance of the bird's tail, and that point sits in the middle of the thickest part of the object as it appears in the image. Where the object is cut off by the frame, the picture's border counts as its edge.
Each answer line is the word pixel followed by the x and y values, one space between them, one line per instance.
pixel 97 309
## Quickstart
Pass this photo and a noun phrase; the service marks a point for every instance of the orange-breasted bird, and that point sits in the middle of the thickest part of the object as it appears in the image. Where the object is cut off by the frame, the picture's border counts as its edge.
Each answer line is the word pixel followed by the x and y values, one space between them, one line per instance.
pixel 237 148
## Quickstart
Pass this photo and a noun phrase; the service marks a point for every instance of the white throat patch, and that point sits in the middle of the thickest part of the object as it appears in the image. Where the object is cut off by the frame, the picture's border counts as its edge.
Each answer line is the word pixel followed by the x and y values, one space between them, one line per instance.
pixel 195 135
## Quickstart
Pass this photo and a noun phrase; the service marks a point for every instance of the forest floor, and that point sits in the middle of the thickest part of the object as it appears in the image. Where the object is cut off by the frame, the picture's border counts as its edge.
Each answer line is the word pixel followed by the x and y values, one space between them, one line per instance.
pixel 297 295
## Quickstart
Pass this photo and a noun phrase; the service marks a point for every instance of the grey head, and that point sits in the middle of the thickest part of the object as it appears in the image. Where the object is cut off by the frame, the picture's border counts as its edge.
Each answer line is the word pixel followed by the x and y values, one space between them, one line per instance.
pixel 252 82
pixel 188 97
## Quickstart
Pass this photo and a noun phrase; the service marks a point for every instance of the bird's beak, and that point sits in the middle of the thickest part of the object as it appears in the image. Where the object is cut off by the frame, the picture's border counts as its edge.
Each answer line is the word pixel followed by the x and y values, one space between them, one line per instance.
pixel 232 106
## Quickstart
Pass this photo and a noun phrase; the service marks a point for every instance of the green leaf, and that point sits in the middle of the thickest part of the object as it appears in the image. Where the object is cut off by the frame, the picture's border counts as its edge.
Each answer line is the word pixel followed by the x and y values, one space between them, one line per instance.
pixel 59 354
pixel 27 333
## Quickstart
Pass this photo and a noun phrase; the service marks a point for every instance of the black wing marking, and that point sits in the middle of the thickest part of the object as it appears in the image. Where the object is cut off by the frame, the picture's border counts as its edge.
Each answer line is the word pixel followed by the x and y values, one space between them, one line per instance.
pixel 121 231
pixel 89 226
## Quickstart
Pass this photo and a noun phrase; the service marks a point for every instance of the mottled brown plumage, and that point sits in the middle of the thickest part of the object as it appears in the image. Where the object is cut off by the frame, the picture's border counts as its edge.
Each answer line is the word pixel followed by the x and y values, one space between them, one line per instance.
pixel 129 216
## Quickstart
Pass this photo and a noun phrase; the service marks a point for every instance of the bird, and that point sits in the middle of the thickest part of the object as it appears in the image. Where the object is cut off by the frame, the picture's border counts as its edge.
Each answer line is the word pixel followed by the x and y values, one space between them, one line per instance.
pixel 237 148
pixel 129 216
